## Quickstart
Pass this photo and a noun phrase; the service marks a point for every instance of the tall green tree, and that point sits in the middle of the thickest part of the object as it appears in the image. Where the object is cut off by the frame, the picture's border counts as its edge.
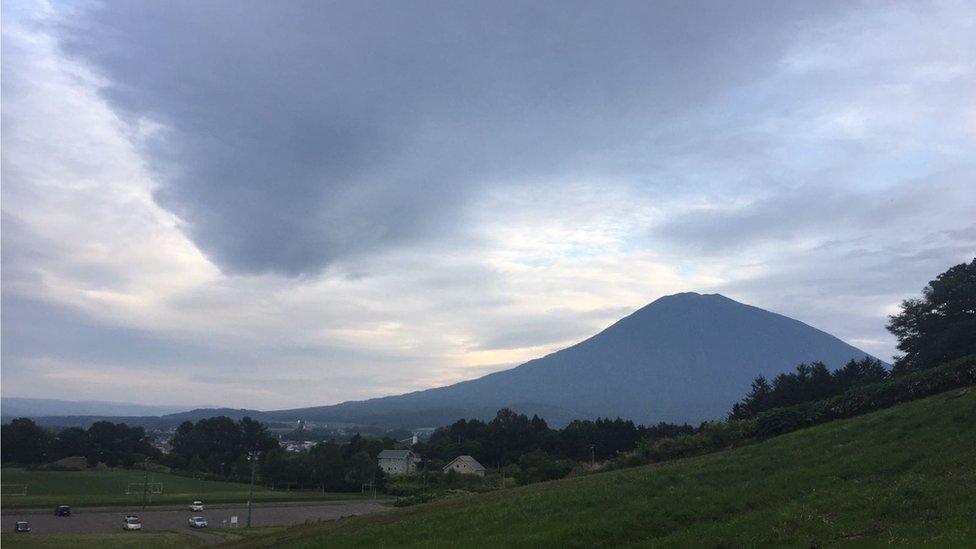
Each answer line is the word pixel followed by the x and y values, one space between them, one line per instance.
pixel 23 441
pixel 941 325
pixel 73 441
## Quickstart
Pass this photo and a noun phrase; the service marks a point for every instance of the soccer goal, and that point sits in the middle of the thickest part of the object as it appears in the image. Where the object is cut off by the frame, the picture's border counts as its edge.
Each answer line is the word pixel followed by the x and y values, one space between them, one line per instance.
pixel 13 489
pixel 137 488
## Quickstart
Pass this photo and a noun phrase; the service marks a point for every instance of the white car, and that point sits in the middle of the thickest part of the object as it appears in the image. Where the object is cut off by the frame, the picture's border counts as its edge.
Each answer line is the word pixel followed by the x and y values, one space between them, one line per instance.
pixel 196 506
pixel 198 522
pixel 131 522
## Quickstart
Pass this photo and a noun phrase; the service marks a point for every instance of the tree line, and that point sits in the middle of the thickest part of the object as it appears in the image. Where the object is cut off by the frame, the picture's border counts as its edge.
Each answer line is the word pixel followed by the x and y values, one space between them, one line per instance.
pixel 506 438
pixel 932 330
pixel 114 444
pixel 809 382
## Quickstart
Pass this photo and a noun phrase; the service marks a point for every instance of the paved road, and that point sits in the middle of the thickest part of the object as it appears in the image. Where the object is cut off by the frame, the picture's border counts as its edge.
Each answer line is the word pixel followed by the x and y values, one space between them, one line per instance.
pixel 105 519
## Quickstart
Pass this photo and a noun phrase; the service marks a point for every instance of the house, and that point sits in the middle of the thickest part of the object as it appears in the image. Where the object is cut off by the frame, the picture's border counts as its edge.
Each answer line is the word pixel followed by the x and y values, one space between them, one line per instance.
pixel 465 465
pixel 298 445
pixel 398 462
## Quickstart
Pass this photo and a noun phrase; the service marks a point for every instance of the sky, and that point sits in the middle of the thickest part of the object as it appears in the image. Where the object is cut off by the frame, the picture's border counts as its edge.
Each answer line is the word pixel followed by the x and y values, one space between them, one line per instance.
pixel 283 204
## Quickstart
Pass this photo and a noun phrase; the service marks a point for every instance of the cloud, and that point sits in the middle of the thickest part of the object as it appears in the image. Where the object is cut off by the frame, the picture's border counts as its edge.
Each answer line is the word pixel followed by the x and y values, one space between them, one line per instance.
pixel 299 204
pixel 300 134
pixel 823 212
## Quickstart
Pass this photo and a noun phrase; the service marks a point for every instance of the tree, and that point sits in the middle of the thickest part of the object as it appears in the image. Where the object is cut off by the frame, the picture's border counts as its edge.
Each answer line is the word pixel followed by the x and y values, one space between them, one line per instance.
pixel 362 468
pixel 254 436
pixel 756 401
pixel 941 325
pixel 859 372
pixel 327 466
pixel 23 441
pixel 72 441
pixel 219 443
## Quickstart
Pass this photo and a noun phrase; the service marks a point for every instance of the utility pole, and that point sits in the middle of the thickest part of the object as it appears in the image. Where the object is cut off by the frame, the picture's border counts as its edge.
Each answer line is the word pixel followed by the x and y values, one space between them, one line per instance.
pixel 592 456
pixel 253 458
pixel 145 484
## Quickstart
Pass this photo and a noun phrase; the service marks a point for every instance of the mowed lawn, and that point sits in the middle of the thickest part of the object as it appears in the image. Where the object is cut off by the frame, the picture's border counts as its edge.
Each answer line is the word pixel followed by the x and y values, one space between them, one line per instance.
pixel 108 487
pixel 142 540
pixel 904 476
pixel 126 540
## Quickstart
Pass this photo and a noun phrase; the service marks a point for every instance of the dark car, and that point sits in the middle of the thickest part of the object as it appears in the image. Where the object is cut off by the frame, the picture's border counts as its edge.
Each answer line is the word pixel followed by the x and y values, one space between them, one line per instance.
pixel 22 526
pixel 63 511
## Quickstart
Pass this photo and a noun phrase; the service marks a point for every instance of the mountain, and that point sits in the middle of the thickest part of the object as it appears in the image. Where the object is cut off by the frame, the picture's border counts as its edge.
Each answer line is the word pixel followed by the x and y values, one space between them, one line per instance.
pixel 12 407
pixel 685 357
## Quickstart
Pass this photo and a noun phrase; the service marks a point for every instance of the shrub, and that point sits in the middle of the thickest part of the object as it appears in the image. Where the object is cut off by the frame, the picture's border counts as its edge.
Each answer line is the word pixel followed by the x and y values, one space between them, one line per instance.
pixel 537 466
pixel 74 463
pixel 414 500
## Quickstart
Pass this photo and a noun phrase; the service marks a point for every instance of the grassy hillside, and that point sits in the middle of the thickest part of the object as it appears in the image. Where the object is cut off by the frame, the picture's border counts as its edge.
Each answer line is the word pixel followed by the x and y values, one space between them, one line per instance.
pixel 905 475
pixel 88 488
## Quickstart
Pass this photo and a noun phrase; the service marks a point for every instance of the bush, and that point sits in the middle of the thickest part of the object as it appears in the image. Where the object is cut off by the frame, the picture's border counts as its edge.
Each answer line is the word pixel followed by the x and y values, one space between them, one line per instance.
pixel 537 466
pixel 403 486
pixel 414 500
pixel 719 434
pixel 74 463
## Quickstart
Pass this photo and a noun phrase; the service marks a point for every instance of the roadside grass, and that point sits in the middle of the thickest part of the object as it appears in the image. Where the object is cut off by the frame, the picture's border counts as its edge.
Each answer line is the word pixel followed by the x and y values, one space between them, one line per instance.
pixel 237 534
pixel 905 476
pixel 107 488
pixel 143 540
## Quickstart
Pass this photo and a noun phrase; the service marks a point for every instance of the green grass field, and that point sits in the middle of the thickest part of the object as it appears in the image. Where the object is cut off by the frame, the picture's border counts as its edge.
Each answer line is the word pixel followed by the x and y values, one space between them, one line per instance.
pixel 904 476
pixel 142 540
pixel 146 540
pixel 108 487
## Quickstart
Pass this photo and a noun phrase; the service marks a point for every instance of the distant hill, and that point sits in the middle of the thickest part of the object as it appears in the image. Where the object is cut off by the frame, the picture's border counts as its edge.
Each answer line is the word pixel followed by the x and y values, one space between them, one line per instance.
pixel 12 407
pixel 683 358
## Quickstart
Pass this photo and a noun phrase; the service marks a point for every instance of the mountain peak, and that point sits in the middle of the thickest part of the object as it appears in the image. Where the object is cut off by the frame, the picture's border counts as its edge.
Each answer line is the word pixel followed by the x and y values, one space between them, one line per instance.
pixel 685 357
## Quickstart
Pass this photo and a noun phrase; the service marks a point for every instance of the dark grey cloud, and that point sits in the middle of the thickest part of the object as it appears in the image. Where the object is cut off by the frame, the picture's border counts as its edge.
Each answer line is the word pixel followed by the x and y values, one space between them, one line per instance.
pixel 820 211
pixel 33 328
pixel 304 132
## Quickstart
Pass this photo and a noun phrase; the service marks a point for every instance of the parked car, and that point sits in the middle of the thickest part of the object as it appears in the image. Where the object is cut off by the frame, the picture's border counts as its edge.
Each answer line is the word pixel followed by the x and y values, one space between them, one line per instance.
pixel 131 522
pixel 22 527
pixel 198 522
pixel 196 506
pixel 62 511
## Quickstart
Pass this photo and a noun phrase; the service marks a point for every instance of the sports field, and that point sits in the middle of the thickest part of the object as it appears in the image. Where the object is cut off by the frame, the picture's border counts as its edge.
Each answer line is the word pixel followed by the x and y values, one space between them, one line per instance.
pixel 108 488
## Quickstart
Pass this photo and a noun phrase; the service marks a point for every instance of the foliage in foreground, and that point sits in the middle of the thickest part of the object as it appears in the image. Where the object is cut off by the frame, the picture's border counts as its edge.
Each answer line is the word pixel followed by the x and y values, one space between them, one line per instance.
pixel 902 476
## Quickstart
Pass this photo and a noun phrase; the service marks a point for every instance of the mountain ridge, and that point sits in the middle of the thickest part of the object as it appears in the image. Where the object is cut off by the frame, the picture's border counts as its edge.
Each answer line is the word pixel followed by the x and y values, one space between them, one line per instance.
pixel 685 357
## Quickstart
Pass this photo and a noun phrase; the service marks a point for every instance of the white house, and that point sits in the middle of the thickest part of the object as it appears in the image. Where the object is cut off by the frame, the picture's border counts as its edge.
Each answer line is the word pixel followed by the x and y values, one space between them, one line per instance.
pixel 465 465
pixel 398 462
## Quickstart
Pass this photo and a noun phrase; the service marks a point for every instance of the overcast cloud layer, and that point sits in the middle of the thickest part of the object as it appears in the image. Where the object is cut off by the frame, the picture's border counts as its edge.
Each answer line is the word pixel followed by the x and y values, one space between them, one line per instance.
pixel 281 204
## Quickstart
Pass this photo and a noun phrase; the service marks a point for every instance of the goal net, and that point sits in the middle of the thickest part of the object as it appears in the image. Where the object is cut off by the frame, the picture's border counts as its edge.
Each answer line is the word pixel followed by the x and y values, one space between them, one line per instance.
pixel 138 488
pixel 13 489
